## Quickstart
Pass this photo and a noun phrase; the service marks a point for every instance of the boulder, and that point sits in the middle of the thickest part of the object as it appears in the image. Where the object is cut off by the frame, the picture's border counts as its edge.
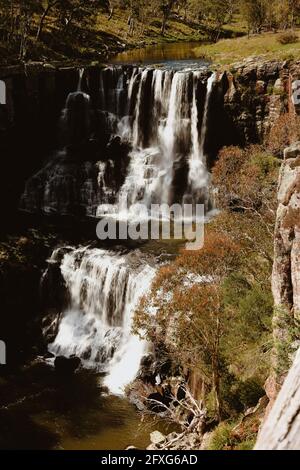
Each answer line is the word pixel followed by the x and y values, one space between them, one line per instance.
pixel 66 366
pixel 157 437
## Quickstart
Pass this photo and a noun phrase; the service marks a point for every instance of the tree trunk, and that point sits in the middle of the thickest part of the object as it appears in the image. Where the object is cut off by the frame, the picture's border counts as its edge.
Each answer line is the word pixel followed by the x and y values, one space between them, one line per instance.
pixel 163 26
pixel 12 20
pixel 111 13
pixel 216 372
pixel 131 25
pixel 41 24
pixel 24 36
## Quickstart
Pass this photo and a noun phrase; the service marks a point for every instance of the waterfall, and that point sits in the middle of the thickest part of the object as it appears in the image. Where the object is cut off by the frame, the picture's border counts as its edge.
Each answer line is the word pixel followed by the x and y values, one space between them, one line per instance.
pixel 140 138
pixel 198 175
pixel 80 77
pixel 159 116
pixel 104 288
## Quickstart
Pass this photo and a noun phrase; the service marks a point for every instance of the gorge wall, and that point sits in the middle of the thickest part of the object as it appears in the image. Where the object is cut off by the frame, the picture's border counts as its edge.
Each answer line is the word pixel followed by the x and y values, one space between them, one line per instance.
pixel 282 425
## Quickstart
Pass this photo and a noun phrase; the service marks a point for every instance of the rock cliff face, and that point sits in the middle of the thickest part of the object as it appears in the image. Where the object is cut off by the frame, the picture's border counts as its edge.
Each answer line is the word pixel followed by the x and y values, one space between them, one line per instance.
pixel 286 270
pixel 28 121
pixel 35 95
pixel 259 92
pixel 281 429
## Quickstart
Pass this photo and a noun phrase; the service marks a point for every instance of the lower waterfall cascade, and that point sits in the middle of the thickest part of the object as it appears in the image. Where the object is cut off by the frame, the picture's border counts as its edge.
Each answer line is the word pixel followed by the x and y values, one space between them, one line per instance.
pixel 104 288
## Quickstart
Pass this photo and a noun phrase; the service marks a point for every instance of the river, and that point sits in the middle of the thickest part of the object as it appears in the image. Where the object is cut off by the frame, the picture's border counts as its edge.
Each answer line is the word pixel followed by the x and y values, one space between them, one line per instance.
pixel 174 54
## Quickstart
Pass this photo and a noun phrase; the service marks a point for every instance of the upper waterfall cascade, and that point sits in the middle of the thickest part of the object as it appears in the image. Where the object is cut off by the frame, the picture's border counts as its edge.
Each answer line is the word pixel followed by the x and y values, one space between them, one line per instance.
pixel 139 136
pixel 163 114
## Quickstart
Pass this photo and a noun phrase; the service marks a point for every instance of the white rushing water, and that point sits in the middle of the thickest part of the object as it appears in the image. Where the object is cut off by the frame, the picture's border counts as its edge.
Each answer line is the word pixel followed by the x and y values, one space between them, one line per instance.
pixel 163 115
pixel 198 174
pixel 141 138
pixel 158 112
pixel 104 288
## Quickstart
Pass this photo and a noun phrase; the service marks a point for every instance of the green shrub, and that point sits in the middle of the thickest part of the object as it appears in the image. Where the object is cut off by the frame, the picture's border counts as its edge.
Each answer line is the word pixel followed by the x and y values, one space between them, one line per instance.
pixel 246 445
pixel 222 437
pixel 249 392
pixel 288 37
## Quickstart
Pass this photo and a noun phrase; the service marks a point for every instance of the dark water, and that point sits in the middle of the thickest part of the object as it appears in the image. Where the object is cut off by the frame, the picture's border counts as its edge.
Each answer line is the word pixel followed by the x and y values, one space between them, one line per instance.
pixel 41 410
pixel 177 54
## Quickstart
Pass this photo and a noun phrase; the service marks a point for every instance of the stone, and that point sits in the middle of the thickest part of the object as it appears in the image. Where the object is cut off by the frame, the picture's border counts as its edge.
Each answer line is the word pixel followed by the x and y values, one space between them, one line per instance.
pixel 279 86
pixel 260 86
pixel 281 430
pixel 293 151
pixel 66 366
pixel 157 437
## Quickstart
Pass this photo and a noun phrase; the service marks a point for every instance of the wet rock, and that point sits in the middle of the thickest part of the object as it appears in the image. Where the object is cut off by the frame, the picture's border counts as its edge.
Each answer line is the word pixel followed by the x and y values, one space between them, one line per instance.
pixel 66 366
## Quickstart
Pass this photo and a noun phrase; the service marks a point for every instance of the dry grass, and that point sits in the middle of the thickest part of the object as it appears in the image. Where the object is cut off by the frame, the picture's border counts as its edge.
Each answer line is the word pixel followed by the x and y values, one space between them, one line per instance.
pixel 267 45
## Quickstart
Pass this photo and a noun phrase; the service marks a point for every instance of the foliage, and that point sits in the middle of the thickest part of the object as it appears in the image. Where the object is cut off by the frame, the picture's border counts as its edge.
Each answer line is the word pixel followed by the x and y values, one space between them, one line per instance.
pixel 285 131
pixel 246 445
pixel 226 437
pixel 286 344
pixel 221 437
pixel 246 180
pixel 261 14
pixel 249 392
pixel 266 44
pixel 212 309
pixel 255 12
pixel 35 28
pixel 288 37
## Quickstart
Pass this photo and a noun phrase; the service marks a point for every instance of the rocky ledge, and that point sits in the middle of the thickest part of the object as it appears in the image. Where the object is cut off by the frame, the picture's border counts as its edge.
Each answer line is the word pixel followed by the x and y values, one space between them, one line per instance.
pixel 259 92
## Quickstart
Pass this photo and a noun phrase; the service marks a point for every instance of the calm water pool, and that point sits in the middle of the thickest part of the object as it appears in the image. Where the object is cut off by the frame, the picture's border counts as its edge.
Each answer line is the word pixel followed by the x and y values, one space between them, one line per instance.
pixel 177 54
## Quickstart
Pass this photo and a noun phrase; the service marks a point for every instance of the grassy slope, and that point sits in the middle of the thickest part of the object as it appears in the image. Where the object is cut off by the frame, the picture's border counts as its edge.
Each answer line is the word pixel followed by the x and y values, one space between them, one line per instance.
pixel 176 30
pixel 97 39
pixel 228 51
pixel 100 38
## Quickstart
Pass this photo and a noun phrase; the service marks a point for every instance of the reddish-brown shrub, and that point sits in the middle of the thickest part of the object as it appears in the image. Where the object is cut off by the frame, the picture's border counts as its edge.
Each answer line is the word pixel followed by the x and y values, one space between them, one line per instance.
pixel 285 131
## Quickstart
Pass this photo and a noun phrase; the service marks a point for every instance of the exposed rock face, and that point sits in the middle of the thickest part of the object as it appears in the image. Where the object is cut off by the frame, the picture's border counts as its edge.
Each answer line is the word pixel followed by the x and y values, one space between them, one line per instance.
pixel 286 273
pixel 286 270
pixel 65 187
pixel 281 431
pixel 259 92
pixel 28 122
